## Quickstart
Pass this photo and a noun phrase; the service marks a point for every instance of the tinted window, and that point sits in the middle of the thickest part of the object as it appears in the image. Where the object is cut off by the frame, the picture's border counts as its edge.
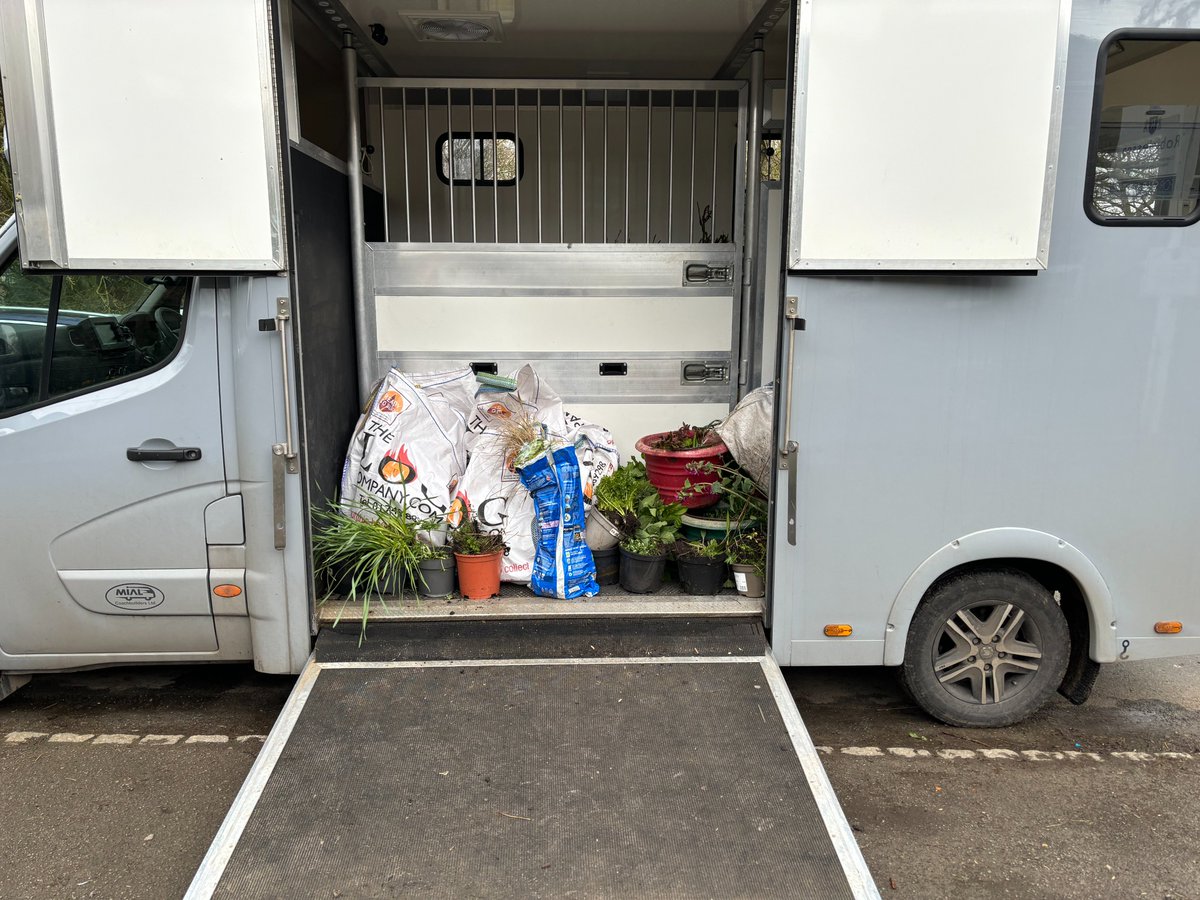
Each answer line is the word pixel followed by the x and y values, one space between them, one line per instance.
pixel 1145 163
pixel 489 160
pixel 91 329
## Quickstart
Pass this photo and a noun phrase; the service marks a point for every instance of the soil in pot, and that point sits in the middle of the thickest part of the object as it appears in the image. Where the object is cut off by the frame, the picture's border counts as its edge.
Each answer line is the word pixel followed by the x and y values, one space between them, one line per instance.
pixel 700 575
pixel 748 581
pixel 642 574
pixel 608 565
pixel 601 534
pixel 479 576
pixel 437 577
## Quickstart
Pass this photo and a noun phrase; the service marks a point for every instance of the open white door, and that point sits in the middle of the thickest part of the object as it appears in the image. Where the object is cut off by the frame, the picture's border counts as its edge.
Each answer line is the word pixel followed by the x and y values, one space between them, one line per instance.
pixel 143 135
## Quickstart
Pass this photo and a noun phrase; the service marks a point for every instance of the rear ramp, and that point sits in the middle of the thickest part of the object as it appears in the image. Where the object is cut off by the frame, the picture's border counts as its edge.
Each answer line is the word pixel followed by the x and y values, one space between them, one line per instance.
pixel 615 758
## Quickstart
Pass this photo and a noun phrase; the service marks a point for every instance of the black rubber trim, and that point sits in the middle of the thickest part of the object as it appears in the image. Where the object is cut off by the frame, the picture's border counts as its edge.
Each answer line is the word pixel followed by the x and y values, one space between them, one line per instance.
pixel 1089 181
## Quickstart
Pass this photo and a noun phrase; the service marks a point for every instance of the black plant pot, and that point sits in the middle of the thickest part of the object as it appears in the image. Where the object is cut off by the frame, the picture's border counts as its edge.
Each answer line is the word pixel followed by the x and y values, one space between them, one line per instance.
pixel 608 565
pixel 642 574
pixel 700 575
pixel 437 577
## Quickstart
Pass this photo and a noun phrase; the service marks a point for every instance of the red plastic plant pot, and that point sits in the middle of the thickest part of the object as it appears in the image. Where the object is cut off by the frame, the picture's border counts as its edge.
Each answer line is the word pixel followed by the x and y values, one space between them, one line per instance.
pixel 668 470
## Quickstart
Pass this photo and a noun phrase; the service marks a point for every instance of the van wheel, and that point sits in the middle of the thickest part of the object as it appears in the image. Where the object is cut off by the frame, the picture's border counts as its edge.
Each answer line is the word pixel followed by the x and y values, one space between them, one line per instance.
pixel 986 649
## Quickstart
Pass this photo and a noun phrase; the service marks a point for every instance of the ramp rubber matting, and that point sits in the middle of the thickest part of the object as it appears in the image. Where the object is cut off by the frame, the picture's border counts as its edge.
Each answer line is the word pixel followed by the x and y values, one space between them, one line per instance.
pixel 541 638
pixel 681 776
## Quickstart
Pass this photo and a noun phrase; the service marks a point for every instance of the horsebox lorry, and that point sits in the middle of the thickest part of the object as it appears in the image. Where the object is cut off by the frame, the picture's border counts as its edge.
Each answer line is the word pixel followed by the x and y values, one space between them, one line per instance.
pixel 958 237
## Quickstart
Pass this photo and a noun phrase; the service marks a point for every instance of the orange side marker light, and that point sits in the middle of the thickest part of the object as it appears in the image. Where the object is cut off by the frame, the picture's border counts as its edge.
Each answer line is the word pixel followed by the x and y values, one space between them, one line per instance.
pixel 227 590
pixel 1168 627
pixel 838 631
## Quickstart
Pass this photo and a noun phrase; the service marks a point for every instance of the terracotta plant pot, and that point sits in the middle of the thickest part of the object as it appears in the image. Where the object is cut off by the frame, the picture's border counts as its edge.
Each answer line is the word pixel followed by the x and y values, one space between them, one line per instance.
pixel 667 470
pixel 437 577
pixel 642 574
pixel 479 576
pixel 748 582
pixel 601 534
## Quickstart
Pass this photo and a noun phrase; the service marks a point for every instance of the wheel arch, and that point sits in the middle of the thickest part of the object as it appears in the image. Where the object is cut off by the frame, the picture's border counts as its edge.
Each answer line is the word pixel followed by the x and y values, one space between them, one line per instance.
pixel 1039 554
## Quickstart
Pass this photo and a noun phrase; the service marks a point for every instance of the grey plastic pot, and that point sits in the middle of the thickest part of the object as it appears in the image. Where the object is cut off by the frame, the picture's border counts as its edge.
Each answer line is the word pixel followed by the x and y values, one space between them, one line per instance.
pixel 437 577
pixel 600 533
pixel 748 581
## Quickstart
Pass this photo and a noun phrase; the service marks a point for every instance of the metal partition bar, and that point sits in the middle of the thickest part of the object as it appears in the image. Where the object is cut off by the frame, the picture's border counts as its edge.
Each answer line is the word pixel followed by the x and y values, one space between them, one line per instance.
pixel 517 135
pixel 595 180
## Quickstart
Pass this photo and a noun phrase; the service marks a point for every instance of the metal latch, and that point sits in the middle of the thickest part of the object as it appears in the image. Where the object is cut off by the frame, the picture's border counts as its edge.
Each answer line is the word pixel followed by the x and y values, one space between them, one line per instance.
pixel 284 458
pixel 702 371
pixel 706 273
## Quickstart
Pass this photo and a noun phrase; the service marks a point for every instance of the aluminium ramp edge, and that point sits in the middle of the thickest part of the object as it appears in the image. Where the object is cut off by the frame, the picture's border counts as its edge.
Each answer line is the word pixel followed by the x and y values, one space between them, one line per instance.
pixel 609 776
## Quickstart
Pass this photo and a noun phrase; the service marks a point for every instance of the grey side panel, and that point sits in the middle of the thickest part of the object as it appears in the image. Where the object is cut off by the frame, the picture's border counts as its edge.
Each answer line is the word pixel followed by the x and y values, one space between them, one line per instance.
pixel 931 408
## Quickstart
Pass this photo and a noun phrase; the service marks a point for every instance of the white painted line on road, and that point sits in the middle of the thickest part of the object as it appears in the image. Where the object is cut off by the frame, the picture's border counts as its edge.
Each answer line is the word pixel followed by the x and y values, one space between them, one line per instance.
pixel 23 737
pixel 116 738
pixel 161 739
pixel 1002 754
pixel 127 739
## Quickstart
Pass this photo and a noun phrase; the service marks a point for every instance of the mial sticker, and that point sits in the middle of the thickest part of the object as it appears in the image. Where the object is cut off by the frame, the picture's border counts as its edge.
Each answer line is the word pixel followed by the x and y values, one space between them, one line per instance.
pixel 135 596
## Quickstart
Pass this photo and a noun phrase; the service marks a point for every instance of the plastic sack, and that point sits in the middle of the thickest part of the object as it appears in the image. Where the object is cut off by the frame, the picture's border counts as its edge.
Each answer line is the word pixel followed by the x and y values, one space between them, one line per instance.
pixel 409 446
pixel 491 489
pixel 747 433
pixel 563 566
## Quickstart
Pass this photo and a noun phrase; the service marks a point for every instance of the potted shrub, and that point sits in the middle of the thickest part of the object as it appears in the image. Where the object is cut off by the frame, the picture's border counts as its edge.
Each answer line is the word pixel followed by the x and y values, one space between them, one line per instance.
pixel 668 455
pixel 643 562
pixel 614 516
pixel 701 566
pixel 368 550
pixel 478 554
pixel 746 553
pixel 644 554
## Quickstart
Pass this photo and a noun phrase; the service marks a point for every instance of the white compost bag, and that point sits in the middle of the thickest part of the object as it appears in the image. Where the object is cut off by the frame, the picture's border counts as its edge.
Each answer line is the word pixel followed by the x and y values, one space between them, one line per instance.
pixel 492 490
pixel 409 447
pixel 747 433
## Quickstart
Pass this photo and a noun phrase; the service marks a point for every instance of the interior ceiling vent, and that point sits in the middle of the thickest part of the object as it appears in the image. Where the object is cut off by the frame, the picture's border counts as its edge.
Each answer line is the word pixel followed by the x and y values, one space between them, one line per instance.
pixel 481 28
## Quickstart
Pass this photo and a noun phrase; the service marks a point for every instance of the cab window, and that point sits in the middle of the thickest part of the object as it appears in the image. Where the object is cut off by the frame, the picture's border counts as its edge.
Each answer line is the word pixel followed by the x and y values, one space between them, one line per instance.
pixel 65 334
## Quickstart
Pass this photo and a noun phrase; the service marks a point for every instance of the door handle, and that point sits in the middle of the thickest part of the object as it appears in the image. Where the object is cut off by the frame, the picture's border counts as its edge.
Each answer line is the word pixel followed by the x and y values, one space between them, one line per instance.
pixel 173 454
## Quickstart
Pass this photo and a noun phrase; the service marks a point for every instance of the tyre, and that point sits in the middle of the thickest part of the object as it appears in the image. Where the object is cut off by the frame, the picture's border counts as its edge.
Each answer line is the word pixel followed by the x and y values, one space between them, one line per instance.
pixel 986 649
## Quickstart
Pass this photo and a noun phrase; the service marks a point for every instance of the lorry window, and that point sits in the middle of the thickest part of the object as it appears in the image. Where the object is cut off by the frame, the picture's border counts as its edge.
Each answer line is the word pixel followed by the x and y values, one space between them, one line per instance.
pixel 62 335
pixel 1145 146
pixel 484 161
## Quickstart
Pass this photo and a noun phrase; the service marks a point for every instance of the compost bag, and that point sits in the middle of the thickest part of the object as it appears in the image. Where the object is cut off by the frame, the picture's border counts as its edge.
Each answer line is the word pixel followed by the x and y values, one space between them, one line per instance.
pixel 563 566
pixel 409 447
pixel 491 489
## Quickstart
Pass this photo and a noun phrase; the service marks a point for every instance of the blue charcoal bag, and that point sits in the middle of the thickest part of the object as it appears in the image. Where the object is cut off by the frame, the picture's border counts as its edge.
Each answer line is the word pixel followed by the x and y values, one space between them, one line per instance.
pixel 563 566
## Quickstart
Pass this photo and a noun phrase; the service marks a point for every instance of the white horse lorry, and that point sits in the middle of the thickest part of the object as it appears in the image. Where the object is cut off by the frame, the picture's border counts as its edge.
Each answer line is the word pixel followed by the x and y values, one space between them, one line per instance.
pixel 958 236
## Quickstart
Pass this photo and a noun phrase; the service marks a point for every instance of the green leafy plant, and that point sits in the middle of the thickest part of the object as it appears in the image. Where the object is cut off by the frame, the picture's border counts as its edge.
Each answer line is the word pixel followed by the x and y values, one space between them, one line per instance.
pixel 470 539
pixel 748 548
pixel 700 549
pixel 619 491
pixel 658 521
pixel 366 546
pixel 687 437
pixel 643 545
pixel 741 502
